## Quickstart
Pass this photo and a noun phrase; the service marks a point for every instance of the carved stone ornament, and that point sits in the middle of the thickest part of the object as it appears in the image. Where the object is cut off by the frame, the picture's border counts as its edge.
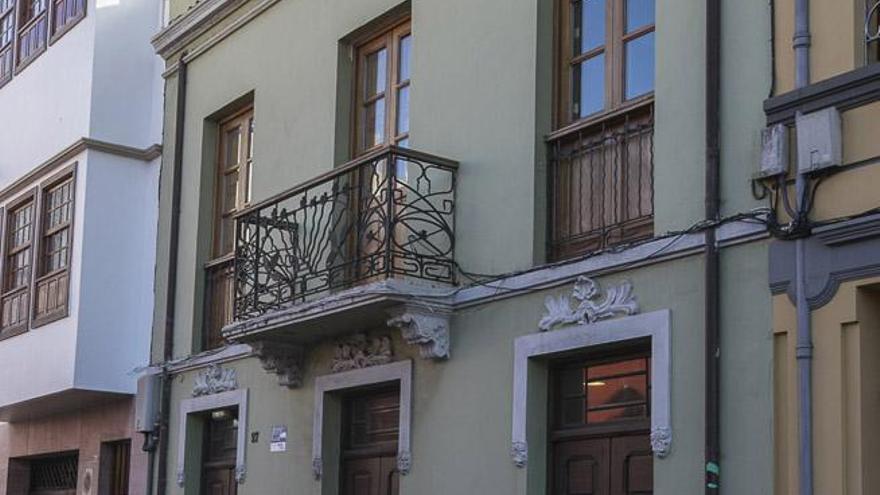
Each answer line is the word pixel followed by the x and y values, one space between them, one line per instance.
pixel 358 352
pixel 661 441
pixel 404 462
pixel 424 327
pixel 285 360
pixel 519 452
pixel 588 304
pixel 180 477
pixel 240 474
pixel 317 467
pixel 215 380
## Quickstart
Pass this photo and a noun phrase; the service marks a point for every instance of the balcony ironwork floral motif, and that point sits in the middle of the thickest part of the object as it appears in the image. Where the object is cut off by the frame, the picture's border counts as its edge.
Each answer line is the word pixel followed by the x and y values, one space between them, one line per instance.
pixel 388 214
pixel 872 31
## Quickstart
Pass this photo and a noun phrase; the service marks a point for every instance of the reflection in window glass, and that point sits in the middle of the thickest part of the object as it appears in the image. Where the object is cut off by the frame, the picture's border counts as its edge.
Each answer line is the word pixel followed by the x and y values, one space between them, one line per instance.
pixel 590 81
pixel 375 72
pixel 403 110
pixel 640 66
pixel 405 50
pixel 589 21
pixel 639 13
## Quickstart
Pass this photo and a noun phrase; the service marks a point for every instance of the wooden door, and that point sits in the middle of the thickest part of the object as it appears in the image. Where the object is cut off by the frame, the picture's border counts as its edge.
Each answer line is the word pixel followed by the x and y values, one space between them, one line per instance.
pixel 371 476
pixel 369 456
pixel 219 454
pixel 582 467
pixel 604 466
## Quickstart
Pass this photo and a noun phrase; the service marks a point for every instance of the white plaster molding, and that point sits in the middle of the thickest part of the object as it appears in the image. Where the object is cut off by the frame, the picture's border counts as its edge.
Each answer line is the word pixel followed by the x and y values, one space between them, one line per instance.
pixel 654 325
pixel 285 360
pixel 214 380
pixel 586 304
pixel 649 253
pixel 173 42
pixel 358 352
pixel 400 371
pixel 205 403
pixel 198 19
pixel 425 327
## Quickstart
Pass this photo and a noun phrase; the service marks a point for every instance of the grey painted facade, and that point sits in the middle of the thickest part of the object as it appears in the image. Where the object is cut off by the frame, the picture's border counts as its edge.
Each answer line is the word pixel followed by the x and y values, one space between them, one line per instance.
pixel 482 95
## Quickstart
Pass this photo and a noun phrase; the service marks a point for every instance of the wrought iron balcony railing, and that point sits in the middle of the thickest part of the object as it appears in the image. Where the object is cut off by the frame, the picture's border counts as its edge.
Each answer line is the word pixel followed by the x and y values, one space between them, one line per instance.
pixel 601 184
pixel 872 31
pixel 388 214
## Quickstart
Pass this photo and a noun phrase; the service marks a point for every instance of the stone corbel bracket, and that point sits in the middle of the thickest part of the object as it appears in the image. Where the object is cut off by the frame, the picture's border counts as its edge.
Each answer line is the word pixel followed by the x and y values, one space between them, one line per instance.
pixel 423 326
pixel 285 360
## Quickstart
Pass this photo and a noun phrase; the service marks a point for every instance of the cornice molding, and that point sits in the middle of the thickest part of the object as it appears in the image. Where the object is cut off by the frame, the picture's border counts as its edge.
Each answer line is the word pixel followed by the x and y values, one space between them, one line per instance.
pixel 197 22
pixel 147 154
pixel 204 15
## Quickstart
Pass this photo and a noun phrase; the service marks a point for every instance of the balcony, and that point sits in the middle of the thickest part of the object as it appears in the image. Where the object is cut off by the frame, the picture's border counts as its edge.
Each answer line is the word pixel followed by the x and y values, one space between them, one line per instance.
pixel 601 184
pixel 345 252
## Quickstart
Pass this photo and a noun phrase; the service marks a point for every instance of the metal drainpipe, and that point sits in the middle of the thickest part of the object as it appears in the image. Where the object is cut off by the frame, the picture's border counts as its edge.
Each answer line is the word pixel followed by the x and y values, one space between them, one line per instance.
pixel 804 346
pixel 712 269
pixel 171 293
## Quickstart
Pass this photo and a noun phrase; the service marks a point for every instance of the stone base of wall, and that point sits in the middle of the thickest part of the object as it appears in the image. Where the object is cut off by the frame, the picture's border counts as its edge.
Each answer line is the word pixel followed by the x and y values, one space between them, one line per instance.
pixel 83 430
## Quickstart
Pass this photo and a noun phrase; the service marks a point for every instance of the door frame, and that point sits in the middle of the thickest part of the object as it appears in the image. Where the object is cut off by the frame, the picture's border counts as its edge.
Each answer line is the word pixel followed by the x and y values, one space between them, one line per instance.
pixel 544 345
pixel 400 371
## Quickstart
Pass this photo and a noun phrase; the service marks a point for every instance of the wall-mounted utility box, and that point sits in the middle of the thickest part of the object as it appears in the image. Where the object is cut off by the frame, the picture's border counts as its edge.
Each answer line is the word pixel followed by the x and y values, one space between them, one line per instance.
pixel 819 142
pixel 146 404
pixel 774 150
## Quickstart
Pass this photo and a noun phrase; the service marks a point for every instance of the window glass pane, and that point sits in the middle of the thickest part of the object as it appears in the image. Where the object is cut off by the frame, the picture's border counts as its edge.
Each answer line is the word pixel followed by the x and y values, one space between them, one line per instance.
pixel 374 123
pixel 405 51
pixel 590 86
pixel 232 139
pixel 589 28
pixel 640 66
pixel 6 30
pixel 618 368
pixel 6 5
pixel 230 192
pixel 639 13
pixel 375 72
pixel 403 110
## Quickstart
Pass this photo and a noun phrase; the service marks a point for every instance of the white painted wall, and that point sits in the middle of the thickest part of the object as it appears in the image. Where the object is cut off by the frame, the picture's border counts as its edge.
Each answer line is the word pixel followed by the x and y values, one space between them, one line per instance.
pixel 101 80
pixel 42 361
pixel 118 264
pixel 46 107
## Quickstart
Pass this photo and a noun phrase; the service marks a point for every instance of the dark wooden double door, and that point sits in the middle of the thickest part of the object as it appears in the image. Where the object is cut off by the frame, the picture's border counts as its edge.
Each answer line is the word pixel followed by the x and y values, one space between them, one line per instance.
pixel 219 454
pixel 603 466
pixel 370 433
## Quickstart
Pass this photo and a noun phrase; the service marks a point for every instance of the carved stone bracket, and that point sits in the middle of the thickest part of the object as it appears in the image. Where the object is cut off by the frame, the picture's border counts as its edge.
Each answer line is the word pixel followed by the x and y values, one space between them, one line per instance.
pixel 358 352
pixel 404 462
pixel 214 380
pixel 588 304
pixel 425 327
pixel 317 468
pixel 519 452
pixel 285 360
pixel 661 441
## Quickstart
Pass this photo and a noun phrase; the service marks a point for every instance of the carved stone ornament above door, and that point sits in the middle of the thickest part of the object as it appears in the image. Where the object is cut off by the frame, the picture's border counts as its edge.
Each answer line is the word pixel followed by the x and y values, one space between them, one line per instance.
pixel 588 303
pixel 214 380
pixel 359 351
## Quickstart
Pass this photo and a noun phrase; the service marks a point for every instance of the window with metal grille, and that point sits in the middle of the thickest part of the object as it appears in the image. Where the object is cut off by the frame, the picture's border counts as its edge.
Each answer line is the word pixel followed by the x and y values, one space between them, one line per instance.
pixel 53 475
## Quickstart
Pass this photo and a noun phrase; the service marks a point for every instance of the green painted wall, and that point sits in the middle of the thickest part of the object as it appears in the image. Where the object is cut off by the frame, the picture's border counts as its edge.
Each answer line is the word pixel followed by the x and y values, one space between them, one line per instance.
pixel 462 407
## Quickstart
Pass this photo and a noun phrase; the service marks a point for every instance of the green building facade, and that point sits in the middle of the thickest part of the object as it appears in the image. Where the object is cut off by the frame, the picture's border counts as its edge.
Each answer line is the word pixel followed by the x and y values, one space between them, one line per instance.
pixel 300 272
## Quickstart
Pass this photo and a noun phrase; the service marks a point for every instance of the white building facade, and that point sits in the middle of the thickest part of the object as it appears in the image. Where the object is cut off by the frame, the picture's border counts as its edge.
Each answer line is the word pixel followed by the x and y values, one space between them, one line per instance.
pixel 79 165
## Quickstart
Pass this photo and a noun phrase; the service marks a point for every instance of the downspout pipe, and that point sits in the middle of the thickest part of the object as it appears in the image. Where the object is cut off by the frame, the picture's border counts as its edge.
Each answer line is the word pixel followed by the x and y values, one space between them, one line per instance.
pixel 171 292
pixel 712 268
pixel 804 345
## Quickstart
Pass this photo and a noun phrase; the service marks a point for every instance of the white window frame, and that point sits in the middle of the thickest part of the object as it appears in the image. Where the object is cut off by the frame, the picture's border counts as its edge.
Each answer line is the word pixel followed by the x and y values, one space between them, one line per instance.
pixel 544 345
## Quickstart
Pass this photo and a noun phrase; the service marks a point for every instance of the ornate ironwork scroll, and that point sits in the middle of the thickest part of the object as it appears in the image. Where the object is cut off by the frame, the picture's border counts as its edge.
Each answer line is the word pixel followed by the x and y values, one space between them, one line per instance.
pixel 388 214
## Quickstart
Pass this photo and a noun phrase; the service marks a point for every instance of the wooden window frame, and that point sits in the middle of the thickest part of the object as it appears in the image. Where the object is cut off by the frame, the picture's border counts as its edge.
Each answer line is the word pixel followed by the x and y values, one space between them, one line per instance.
pixel 55 33
pixel 626 351
pixel 11 48
pixel 36 196
pixel 65 175
pixel 244 116
pixel 32 198
pixel 615 103
pixel 21 26
pixel 387 35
